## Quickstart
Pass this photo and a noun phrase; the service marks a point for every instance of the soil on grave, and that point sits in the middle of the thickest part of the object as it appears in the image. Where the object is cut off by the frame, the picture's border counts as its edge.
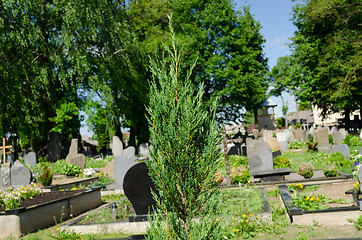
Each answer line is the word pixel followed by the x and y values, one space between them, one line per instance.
pixel 45 197
pixel 104 214
pixel 335 191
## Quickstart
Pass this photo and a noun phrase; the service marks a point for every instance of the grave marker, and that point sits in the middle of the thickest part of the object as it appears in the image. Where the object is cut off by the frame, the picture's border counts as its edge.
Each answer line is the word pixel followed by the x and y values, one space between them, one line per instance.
pixel 337 138
pixel 73 156
pixel 259 156
pixel 117 146
pixel 283 140
pixel 321 135
pixel 30 159
pixel 4 147
pixel 20 174
pixel 122 163
pixel 342 148
pixel 137 186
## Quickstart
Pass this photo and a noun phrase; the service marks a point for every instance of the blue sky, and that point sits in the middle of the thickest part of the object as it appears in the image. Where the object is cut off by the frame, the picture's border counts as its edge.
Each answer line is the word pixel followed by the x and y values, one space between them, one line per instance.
pixel 274 17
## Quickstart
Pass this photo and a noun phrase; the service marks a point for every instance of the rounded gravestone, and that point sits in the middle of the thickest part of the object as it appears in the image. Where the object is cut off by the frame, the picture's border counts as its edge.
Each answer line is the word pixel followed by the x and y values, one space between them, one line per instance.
pixel 137 186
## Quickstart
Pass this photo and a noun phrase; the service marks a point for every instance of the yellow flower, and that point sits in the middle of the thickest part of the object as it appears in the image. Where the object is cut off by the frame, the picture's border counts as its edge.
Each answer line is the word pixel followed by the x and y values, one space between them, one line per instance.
pixel 236 230
pixel 307 198
pixel 317 198
pixel 246 220
pixel 303 203
pixel 58 228
pixel 244 215
pixel 277 225
pixel 250 214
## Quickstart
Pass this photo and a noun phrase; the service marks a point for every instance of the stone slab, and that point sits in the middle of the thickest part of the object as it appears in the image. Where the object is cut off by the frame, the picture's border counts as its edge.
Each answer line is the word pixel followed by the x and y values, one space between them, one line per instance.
pixel 117 146
pixel 30 159
pixel 20 174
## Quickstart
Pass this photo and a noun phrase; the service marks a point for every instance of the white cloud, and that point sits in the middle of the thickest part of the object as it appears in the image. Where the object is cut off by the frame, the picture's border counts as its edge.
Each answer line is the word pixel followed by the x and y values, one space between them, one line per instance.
pixel 281 42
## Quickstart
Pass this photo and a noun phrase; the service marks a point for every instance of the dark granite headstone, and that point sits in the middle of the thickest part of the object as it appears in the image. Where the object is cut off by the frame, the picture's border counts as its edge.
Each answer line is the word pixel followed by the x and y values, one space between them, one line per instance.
pixel 276 153
pixel 137 186
pixel 233 150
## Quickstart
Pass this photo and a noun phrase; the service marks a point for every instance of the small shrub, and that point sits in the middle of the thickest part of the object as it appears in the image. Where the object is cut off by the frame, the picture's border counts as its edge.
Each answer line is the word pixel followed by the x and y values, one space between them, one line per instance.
pixel 240 175
pixel 339 160
pixel 306 169
pixel 219 177
pixel 46 178
pixel 312 145
pixel 297 145
pixel 281 162
pixel 71 170
pixel 330 172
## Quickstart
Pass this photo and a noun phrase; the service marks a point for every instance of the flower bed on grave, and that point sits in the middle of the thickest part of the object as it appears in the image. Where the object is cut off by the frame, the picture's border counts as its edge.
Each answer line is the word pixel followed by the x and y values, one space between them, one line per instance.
pixel 318 202
pixel 45 209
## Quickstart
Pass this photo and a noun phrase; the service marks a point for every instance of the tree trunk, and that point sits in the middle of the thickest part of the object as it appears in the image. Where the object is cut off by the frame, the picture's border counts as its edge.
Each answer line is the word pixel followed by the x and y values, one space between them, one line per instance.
pixel 256 118
pixel 53 146
pixel 132 137
pixel 347 120
pixel 117 126
pixel 227 164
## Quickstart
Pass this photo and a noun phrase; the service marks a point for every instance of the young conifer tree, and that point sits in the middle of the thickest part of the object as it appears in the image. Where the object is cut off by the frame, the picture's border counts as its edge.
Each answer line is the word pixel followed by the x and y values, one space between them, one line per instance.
pixel 185 154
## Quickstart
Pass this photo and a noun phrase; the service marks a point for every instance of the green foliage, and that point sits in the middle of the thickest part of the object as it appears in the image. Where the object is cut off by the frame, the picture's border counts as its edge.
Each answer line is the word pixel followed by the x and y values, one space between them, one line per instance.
pixel 46 178
pixel 339 160
pixel 71 170
pixel 66 234
pixel 330 139
pixel 330 172
pixel 281 162
pixel 297 145
pixel 185 153
pixel 326 53
pixel 239 174
pixel 351 140
pixel 280 122
pixel 312 145
pixel 236 161
pixel 305 169
pixel 310 203
pixel 357 222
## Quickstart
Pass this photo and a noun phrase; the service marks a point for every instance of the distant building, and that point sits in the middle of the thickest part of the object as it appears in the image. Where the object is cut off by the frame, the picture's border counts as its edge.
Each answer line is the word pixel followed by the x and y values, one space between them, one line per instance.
pixel 268 118
pixel 305 116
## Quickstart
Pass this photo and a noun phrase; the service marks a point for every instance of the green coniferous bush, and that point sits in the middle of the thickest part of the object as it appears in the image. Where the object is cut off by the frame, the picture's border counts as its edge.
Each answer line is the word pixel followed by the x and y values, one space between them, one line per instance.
pixel 185 155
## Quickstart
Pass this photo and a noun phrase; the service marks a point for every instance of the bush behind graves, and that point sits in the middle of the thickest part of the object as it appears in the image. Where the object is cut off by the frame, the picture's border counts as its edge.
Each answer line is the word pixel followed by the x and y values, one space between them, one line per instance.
pixel 46 178
pixel 351 140
pixel 239 174
pixel 305 169
pixel 312 145
pixel 281 162
pixel 339 160
pixel 185 155
pixel 71 170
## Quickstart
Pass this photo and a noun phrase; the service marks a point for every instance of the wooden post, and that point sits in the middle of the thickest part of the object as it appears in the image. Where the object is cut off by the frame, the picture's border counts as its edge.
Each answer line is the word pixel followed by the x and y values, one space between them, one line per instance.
pixel 4 151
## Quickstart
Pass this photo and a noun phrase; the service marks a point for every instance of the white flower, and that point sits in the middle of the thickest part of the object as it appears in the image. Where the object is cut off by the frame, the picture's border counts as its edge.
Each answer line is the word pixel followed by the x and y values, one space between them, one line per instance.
pixel 88 172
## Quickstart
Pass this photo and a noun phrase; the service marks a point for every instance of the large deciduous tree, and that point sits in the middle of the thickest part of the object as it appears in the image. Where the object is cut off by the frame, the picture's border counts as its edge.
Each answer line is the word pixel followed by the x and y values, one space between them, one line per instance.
pixel 226 42
pixel 43 58
pixel 327 54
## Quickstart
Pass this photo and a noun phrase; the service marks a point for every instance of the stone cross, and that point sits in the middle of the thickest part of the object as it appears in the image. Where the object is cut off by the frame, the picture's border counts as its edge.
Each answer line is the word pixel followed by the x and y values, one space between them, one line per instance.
pixel 4 150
